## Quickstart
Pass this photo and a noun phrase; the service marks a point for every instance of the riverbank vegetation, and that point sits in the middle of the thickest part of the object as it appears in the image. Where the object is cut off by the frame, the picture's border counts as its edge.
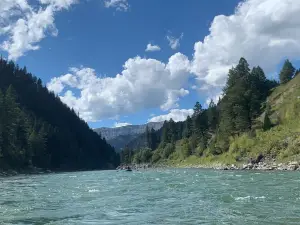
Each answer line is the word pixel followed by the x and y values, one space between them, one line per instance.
pixel 38 130
pixel 255 117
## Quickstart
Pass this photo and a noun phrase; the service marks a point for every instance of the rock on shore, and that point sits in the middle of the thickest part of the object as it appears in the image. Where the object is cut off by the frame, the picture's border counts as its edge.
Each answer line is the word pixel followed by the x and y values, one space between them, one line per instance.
pixel 291 166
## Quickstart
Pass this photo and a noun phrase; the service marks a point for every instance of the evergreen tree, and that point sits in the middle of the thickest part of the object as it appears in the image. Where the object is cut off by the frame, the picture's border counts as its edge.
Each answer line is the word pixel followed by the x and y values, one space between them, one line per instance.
pixel 197 109
pixel 153 144
pixel 212 116
pixel 148 138
pixel 287 72
pixel 186 149
pixel 165 133
pixel 188 127
pixel 237 75
pixel 267 124
pixel 172 131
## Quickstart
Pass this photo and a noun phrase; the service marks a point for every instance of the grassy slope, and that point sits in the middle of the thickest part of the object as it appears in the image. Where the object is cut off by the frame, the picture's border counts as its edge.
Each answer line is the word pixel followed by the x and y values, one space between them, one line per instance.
pixel 281 142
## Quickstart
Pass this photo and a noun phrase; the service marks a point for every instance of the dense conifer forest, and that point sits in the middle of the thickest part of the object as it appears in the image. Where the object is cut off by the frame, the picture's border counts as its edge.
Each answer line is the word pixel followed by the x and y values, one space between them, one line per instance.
pixel 38 130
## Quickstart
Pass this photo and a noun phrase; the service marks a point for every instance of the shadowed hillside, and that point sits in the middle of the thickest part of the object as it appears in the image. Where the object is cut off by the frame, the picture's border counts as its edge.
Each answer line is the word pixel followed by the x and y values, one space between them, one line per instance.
pixel 38 130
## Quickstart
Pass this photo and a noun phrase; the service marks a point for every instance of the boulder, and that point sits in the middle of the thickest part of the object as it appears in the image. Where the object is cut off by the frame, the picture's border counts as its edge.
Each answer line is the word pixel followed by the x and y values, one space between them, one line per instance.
pixel 259 158
pixel 274 167
pixel 233 167
pixel 294 163
pixel 293 166
pixel 250 166
pixel 244 167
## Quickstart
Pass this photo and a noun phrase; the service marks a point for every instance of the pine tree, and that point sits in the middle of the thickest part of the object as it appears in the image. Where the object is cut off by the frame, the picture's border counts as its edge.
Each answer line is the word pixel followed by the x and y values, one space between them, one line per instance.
pixel 212 116
pixel 186 149
pixel 236 75
pixel 172 131
pixel 188 127
pixel 148 137
pixel 267 124
pixel 165 132
pixel 235 110
pixel 197 109
pixel 153 139
pixel 287 72
pixel 256 92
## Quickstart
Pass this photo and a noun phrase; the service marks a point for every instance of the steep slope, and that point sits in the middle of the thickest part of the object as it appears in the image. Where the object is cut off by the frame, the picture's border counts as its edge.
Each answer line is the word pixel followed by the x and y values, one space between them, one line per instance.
pixel 121 136
pixel 282 141
pixel 37 129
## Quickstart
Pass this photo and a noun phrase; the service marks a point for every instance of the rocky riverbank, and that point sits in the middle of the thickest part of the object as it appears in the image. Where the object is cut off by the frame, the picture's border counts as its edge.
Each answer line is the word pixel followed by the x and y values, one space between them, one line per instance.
pixel 290 166
pixel 258 164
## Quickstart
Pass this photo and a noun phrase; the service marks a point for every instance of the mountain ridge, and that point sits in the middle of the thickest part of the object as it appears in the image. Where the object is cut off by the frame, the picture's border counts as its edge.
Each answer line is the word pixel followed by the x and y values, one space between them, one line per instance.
pixel 112 132
pixel 119 137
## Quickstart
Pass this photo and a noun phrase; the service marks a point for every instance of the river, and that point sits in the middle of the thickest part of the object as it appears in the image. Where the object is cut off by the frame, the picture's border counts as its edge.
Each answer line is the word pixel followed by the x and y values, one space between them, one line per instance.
pixel 171 196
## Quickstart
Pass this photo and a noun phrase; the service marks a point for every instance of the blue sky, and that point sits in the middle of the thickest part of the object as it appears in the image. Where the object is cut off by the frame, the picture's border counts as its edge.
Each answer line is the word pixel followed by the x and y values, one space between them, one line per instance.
pixel 91 40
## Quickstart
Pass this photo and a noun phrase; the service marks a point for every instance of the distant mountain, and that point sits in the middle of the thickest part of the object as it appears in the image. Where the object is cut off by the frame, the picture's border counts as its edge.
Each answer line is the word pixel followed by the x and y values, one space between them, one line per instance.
pixel 120 136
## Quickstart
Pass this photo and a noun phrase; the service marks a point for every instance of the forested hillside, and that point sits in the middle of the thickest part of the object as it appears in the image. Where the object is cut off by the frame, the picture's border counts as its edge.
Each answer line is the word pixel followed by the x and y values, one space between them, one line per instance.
pixel 37 129
pixel 234 129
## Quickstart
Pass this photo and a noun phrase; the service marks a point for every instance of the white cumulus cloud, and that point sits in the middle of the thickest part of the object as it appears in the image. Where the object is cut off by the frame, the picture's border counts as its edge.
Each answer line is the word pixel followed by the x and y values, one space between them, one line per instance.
pixel 176 114
pixel 59 4
pixel 24 26
pixel 121 124
pixel 144 83
pixel 152 48
pixel 10 8
pixel 120 5
pixel 174 42
pixel 262 31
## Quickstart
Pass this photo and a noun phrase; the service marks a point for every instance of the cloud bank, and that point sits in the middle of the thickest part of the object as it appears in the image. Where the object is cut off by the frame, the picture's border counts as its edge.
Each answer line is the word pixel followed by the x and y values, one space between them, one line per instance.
pixel 176 114
pixel 144 83
pixel 25 26
pixel 263 31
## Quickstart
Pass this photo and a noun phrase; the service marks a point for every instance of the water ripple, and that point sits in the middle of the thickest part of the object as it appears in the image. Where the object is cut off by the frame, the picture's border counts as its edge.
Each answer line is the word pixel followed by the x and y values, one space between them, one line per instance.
pixel 174 196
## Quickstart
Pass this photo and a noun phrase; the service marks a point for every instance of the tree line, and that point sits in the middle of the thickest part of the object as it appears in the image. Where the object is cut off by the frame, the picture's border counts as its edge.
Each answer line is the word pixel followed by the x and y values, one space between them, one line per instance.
pixel 38 130
pixel 208 131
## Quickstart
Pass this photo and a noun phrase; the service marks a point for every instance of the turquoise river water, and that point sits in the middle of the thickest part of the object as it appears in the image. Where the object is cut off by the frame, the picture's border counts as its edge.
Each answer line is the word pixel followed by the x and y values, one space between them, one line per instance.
pixel 171 196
